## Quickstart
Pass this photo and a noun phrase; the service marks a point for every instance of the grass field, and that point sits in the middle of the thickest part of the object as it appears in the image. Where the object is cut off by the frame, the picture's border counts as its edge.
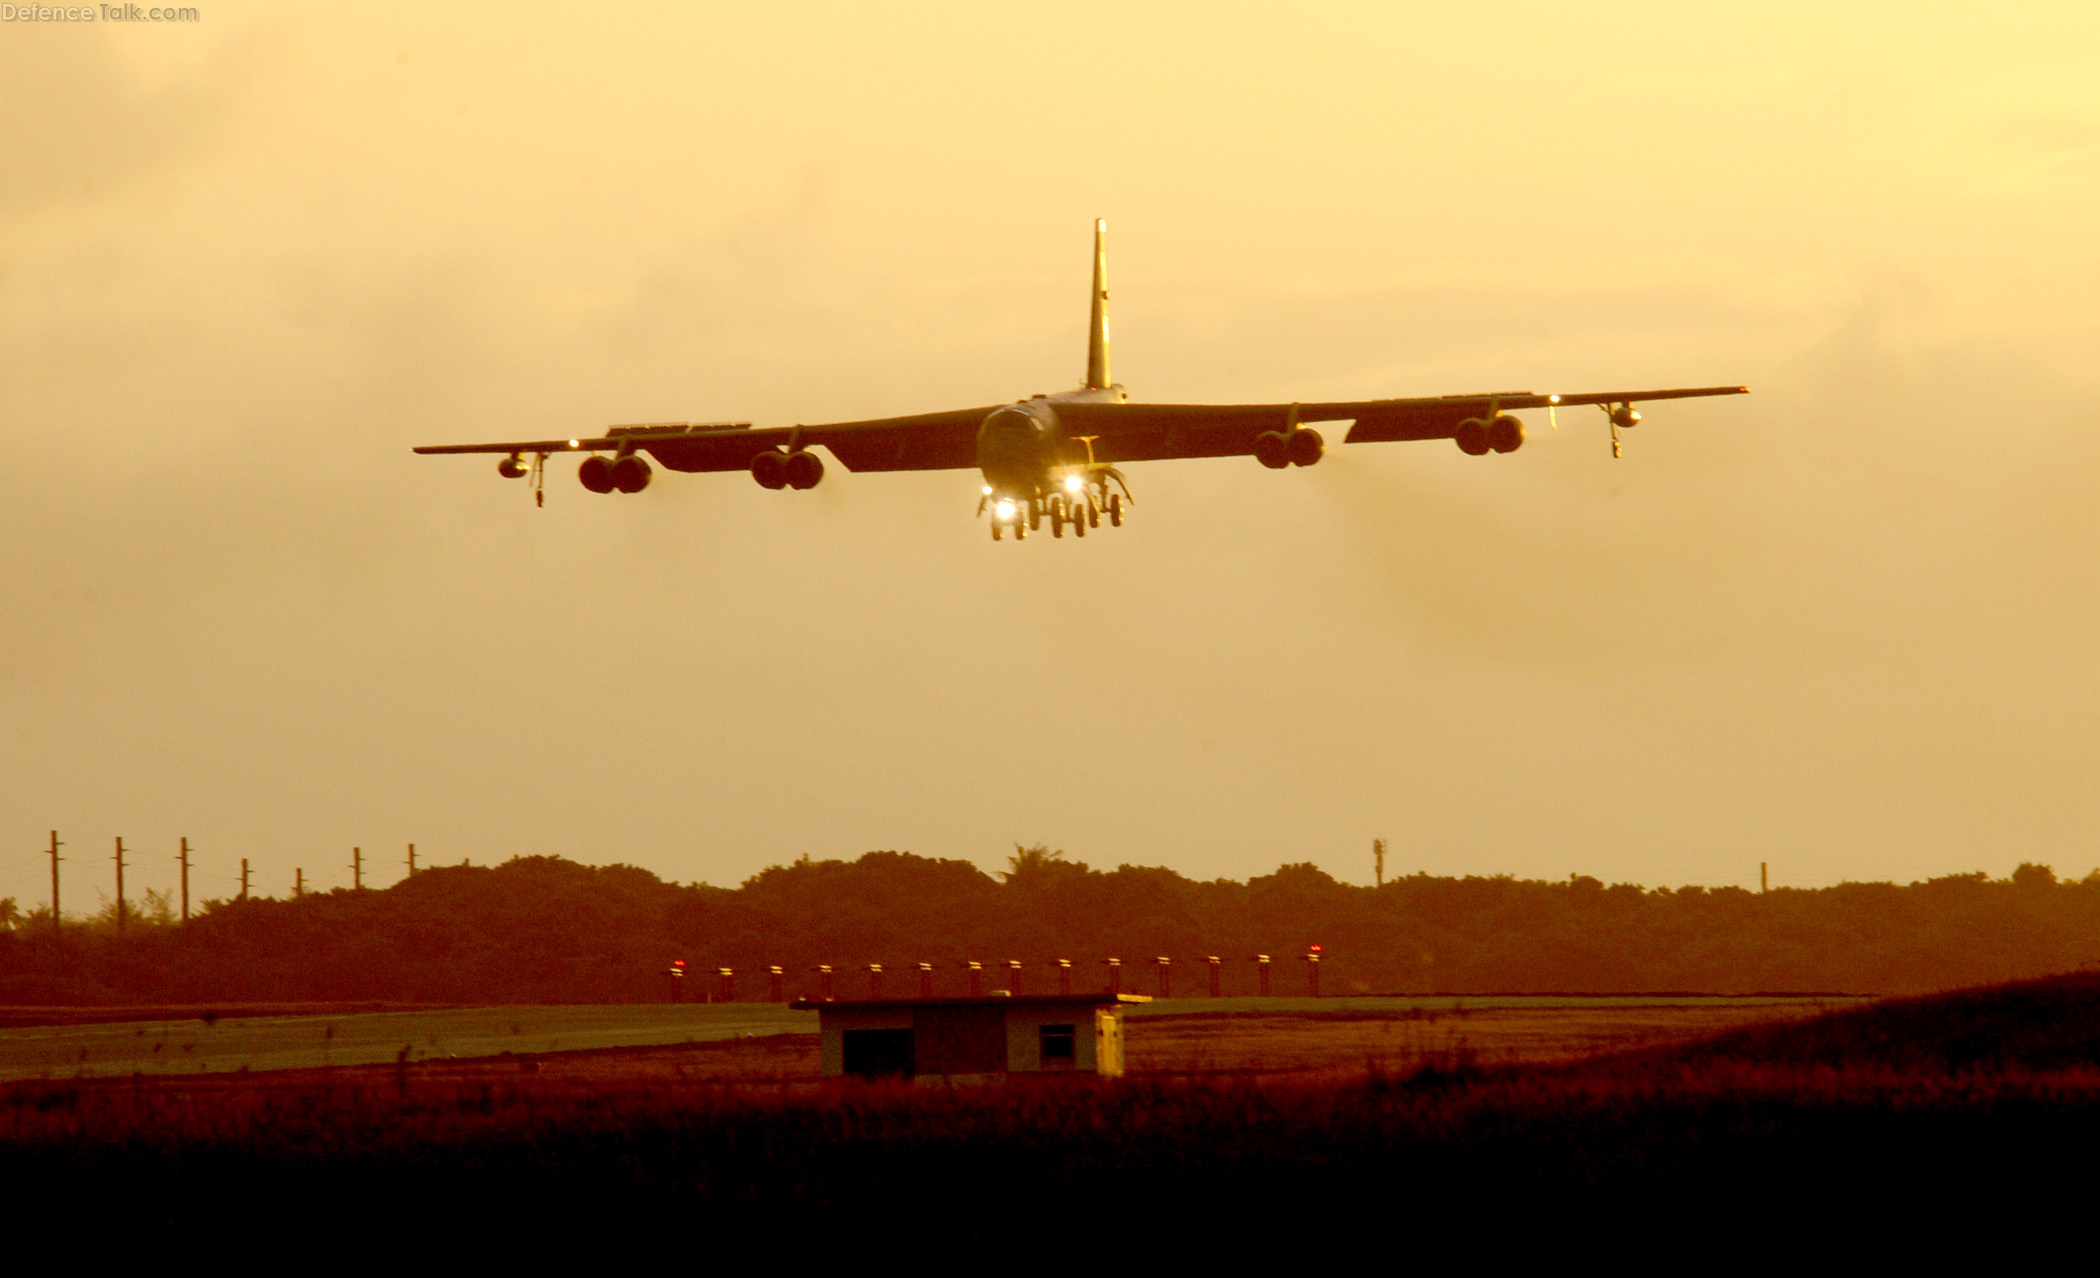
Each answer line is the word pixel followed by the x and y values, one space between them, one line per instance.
pixel 1494 1162
pixel 259 1043
pixel 1916 1120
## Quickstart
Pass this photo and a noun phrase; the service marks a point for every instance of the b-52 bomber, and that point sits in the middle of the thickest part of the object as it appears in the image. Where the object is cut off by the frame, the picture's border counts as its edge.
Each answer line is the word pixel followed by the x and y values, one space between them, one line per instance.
pixel 1054 457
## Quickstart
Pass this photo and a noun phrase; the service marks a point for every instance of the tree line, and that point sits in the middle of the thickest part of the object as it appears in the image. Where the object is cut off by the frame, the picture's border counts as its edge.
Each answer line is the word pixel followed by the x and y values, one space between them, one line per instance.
pixel 546 929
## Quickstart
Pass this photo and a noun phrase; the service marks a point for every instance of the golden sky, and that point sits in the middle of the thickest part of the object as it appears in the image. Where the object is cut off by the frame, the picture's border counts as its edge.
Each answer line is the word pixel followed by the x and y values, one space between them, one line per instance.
pixel 1846 626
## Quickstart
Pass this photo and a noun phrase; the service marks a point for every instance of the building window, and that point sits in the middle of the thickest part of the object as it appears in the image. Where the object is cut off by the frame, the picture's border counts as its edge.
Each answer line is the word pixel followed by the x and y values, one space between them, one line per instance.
pixel 1057 1044
pixel 883 1053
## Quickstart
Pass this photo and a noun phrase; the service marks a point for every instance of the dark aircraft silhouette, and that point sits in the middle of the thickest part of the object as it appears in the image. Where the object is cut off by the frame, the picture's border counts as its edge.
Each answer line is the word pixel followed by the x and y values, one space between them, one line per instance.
pixel 1054 456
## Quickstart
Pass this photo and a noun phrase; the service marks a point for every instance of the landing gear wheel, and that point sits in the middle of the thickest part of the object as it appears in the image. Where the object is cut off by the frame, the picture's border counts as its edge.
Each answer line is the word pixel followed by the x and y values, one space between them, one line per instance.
pixel 1093 514
pixel 1057 519
pixel 995 530
pixel 1078 523
pixel 1115 510
pixel 1035 514
pixel 1020 531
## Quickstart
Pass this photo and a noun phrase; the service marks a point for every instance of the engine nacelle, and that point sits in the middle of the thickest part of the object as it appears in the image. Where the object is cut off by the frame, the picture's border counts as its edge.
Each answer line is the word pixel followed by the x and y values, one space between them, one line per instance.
pixel 1625 417
pixel 1472 437
pixel 803 469
pixel 512 468
pixel 1271 449
pixel 769 468
pixel 1306 447
pixel 630 474
pixel 1505 434
pixel 595 474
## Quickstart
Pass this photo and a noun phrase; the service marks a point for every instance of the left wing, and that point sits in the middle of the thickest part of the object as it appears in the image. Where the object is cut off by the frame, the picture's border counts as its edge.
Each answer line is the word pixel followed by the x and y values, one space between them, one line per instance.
pixel 1156 432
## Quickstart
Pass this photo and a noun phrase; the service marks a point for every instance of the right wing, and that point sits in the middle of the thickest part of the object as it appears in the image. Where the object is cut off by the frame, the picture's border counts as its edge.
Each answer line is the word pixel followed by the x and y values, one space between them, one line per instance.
pixel 925 441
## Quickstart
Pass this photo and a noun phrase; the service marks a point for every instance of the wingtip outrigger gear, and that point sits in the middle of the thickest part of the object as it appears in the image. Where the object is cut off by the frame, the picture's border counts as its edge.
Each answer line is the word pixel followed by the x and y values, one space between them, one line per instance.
pixel 1622 415
pixel 515 467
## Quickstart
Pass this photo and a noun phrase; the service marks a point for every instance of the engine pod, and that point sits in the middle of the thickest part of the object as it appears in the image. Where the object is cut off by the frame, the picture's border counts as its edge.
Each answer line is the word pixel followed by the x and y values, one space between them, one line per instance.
pixel 595 474
pixel 804 469
pixel 769 468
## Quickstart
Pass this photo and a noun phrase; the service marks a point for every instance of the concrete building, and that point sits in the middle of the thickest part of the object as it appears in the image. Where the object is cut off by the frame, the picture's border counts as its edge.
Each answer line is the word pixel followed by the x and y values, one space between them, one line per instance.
pixel 973 1039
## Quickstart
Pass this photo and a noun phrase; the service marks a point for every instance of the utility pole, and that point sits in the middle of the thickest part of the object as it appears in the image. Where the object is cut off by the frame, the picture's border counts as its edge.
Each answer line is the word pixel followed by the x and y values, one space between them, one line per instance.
pixel 244 878
pixel 357 869
pixel 185 860
pixel 120 886
pixel 1378 856
pixel 411 860
pixel 298 883
pixel 55 859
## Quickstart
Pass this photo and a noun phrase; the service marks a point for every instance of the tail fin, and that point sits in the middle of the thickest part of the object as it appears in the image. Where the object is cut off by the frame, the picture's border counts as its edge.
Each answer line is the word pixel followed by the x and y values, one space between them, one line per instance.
pixel 1097 336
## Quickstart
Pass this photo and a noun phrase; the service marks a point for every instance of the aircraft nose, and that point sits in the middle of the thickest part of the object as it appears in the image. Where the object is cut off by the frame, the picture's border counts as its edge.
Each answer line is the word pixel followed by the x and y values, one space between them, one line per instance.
pixel 1006 448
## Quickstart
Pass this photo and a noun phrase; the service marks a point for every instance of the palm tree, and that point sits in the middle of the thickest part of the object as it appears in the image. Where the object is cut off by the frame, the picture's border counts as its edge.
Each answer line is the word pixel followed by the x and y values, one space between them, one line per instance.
pixel 1030 862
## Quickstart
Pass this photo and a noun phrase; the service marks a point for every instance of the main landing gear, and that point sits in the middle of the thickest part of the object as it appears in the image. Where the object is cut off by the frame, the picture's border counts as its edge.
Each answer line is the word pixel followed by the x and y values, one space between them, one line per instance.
pixel 1080 505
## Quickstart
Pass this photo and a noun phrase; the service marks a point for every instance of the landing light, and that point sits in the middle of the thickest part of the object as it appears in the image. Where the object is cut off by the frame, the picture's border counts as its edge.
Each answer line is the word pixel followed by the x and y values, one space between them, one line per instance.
pixel 1073 483
pixel 987 490
pixel 1005 510
pixel 575 443
pixel 1553 399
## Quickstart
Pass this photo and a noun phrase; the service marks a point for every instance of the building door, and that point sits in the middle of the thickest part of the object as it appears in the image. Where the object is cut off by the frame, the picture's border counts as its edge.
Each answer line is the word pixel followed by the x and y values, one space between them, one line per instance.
pixel 879 1053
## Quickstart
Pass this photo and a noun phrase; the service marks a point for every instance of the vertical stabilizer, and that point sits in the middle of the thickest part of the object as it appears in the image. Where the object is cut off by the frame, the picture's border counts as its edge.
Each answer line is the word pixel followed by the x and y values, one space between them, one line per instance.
pixel 1097 332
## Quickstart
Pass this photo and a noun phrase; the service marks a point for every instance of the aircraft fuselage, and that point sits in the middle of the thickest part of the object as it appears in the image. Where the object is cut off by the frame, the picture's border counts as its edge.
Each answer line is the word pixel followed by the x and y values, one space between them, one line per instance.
pixel 1022 448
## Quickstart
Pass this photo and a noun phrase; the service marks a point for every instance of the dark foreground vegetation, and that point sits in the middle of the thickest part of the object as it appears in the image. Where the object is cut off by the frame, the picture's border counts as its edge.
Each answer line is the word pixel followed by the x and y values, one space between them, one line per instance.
pixel 550 930
pixel 1830 1126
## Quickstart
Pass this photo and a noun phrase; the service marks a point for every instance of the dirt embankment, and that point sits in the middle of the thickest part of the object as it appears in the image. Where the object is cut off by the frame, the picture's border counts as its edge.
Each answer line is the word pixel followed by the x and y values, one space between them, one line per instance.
pixel 2047 1024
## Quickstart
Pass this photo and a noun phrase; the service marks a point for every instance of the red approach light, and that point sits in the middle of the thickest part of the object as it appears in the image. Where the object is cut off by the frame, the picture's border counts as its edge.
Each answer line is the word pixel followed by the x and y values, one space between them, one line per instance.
pixel 1314 949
